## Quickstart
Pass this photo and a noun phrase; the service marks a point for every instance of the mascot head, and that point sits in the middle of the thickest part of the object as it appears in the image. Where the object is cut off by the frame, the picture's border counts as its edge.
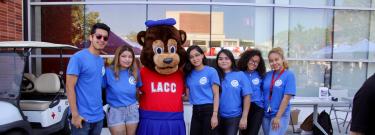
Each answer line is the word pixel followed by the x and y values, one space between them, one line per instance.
pixel 162 51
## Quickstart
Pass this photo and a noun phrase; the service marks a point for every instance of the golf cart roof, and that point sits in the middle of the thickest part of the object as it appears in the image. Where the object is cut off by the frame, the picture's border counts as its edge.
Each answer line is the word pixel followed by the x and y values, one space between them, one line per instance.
pixel 34 44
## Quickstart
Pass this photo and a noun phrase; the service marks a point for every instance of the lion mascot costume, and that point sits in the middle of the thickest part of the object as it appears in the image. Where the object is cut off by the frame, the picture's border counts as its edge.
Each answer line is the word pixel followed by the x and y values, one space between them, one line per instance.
pixel 161 105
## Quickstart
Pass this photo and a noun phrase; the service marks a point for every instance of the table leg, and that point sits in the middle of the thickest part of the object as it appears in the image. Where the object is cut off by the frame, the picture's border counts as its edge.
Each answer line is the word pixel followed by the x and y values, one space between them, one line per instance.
pixel 315 118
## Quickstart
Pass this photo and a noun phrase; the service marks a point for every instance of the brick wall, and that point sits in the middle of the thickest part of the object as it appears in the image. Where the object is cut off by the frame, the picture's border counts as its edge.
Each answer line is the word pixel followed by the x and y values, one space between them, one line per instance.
pixel 10 20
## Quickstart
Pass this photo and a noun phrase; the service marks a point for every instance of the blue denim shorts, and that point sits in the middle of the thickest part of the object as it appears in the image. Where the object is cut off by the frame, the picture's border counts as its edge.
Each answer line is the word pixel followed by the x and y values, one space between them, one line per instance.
pixel 123 115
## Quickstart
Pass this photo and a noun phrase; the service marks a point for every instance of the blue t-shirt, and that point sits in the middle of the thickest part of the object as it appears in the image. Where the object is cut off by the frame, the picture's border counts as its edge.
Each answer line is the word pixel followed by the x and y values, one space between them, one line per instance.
pixel 200 85
pixel 89 69
pixel 255 82
pixel 121 92
pixel 234 86
pixel 285 85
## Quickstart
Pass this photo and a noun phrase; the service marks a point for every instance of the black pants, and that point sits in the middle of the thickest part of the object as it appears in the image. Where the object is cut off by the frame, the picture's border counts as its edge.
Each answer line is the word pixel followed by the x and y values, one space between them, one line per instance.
pixel 201 120
pixel 254 120
pixel 229 126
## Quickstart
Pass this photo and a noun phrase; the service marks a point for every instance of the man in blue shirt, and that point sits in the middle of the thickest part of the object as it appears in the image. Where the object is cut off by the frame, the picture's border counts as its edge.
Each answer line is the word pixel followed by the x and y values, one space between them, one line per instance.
pixel 83 84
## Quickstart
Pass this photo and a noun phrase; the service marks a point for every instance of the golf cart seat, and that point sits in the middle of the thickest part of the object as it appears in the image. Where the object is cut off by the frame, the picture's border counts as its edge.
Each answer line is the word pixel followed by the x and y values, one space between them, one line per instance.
pixel 45 83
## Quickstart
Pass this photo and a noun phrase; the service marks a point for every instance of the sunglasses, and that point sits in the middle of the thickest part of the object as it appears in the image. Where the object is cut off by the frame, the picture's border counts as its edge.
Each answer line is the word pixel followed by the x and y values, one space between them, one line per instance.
pixel 99 37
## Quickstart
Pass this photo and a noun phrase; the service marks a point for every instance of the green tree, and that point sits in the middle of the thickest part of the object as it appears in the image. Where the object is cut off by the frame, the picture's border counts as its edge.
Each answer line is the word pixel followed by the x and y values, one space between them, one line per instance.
pixel 82 22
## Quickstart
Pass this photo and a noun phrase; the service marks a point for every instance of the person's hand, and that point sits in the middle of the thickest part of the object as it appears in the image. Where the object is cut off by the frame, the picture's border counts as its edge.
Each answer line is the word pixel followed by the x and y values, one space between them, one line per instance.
pixel 214 122
pixel 275 123
pixel 77 121
pixel 243 123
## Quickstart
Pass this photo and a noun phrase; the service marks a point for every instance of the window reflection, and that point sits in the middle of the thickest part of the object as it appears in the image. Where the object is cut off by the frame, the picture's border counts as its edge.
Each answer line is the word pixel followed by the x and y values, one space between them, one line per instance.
pixel 123 22
pixel 309 33
pixel 60 24
pixel 310 75
pixel 371 69
pixel 351 34
pixel 353 3
pixel 302 33
pixel 371 48
pixel 242 1
pixel 348 75
pixel 233 27
pixel 312 2
pixel 193 19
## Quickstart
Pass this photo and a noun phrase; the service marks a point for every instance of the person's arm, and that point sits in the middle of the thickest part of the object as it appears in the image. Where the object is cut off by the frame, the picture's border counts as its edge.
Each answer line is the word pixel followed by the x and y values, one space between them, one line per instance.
pixel 137 94
pixel 245 111
pixel 71 81
pixel 282 108
pixel 355 133
pixel 214 118
pixel 186 95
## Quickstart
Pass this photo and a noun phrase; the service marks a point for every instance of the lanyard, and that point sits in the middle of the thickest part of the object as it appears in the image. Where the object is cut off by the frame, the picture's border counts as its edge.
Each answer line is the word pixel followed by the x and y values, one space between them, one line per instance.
pixel 273 82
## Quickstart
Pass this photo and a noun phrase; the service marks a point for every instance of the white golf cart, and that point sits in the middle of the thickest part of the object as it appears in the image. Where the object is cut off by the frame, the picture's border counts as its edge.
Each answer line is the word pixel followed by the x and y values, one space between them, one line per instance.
pixel 31 105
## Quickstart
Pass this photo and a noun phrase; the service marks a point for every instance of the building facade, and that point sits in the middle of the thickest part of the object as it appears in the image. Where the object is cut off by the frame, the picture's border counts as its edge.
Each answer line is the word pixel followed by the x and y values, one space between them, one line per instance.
pixel 327 42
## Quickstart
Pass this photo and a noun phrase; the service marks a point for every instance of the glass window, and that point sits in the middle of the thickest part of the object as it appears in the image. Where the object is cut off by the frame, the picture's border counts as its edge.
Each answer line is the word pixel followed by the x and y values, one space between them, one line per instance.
pixel 241 1
pixel 193 19
pixel 309 76
pixel 199 42
pixel 233 24
pixel 371 69
pixel 263 29
pixel 351 34
pixel 281 28
pixel 353 3
pixel 215 43
pixel 348 75
pixel 187 0
pixel 124 24
pixel 312 2
pixel 309 33
pixel 59 24
pixel 371 55
pixel 264 1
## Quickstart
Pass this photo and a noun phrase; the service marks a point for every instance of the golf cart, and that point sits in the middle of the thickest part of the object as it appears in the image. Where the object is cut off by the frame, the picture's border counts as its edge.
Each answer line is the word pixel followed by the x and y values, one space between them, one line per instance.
pixel 31 105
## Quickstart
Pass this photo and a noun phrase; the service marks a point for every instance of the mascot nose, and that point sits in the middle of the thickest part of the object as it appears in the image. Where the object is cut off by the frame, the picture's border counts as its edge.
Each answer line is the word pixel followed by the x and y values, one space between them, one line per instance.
pixel 167 60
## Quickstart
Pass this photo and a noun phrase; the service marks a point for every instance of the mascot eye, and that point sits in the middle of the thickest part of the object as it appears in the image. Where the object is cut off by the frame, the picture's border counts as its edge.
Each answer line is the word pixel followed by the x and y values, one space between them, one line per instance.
pixel 158 50
pixel 172 49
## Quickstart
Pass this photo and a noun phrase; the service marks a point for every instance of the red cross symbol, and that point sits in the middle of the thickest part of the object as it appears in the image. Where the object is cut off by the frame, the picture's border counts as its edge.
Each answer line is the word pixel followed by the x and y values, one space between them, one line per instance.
pixel 53 115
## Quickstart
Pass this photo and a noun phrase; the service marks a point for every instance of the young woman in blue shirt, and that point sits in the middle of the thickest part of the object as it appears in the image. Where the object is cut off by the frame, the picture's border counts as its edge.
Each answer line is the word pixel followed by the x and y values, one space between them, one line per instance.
pixel 122 81
pixel 202 84
pixel 279 86
pixel 235 94
pixel 252 64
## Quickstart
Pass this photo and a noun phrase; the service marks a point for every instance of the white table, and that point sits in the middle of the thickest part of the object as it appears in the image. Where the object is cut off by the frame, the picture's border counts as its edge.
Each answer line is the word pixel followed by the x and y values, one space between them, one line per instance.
pixel 316 102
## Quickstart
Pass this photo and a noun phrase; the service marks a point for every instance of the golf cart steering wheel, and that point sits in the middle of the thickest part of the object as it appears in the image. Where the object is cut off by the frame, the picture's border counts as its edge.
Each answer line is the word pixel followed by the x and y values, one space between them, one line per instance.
pixel 27 85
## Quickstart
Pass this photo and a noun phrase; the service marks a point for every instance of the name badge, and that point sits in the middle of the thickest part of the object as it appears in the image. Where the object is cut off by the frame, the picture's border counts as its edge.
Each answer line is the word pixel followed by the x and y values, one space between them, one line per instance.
pixel 269 109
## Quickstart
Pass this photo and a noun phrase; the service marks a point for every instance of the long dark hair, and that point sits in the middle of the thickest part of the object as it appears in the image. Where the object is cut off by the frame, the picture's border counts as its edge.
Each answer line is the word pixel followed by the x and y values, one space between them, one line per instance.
pixel 188 66
pixel 231 57
pixel 246 56
pixel 133 69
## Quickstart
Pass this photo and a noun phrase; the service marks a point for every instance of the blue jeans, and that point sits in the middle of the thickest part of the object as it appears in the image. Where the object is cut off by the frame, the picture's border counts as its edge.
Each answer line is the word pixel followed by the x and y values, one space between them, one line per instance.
pixel 229 126
pixel 88 128
pixel 267 126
